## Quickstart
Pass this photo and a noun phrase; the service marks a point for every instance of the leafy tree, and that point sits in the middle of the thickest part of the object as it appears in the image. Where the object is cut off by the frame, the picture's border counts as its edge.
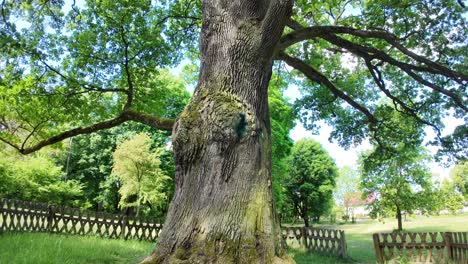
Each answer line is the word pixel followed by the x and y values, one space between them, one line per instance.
pixel 459 175
pixel 37 178
pixel 395 172
pixel 89 157
pixel 71 69
pixel 400 184
pixel 311 179
pixel 347 184
pixel 446 197
pixel 138 168
pixel 282 119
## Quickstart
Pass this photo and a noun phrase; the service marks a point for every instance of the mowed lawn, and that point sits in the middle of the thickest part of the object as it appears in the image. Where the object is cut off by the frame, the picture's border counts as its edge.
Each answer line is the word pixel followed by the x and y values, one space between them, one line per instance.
pixel 47 248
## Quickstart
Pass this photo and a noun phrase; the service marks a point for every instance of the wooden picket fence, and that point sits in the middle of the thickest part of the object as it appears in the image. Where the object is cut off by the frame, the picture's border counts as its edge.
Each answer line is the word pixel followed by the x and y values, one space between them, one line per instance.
pixel 436 247
pixel 16 215
pixel 321 240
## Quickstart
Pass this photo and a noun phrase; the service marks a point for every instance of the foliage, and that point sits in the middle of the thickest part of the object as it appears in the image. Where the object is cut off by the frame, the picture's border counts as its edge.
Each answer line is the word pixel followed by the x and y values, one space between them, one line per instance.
pixel 36 178
pixel 400 181
pixel 347 185
pixel 89 157
pixel 459 175
pixel 311 179
pixel 435 30
pixel 282 119
pixel 447 198
pixel 67 64
pixel 138 168
pixel 90 162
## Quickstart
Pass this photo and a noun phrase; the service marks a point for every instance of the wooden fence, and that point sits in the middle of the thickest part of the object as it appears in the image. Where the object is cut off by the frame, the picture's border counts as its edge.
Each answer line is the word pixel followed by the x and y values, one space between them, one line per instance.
pixel 321 240
pixel 437 247
pixel 18 215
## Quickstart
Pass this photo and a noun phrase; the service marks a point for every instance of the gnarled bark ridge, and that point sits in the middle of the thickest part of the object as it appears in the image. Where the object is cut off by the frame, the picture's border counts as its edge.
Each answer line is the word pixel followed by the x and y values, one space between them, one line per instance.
pixel 223 210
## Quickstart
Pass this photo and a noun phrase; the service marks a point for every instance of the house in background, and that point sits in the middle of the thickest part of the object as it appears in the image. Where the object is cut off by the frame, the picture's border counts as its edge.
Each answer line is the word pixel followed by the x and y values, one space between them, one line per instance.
pixel 356 207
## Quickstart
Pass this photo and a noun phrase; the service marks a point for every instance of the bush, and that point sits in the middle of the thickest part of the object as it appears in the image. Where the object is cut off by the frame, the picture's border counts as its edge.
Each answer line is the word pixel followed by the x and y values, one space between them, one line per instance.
pixel 36 178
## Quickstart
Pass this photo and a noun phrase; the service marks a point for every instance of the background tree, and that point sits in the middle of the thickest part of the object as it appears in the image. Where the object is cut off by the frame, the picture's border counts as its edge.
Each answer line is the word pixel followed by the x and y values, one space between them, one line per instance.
pixel 37 178
pixel 347 184
pixel 446 197
pixel 138 168
pixel 459 176
pixel 282 119
pixel 70 69
pixel 311 179
pixel 395 172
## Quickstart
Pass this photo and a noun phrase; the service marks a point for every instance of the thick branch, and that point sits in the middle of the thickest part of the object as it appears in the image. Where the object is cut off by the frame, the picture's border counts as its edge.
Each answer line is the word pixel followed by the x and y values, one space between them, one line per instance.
pixel 369 53
pixel 316 76
pixel 149 120
pixel 301 34
pixel 128 115
pixel 291 23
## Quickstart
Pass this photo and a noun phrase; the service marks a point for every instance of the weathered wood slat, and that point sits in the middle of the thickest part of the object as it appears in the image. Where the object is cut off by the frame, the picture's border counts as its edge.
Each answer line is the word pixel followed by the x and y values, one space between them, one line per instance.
pixel 322 240
pixel 16 215
pixel 432 247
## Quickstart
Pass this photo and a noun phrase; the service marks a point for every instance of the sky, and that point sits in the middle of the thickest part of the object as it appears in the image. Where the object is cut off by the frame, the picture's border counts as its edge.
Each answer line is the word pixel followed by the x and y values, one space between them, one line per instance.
pixel 349 157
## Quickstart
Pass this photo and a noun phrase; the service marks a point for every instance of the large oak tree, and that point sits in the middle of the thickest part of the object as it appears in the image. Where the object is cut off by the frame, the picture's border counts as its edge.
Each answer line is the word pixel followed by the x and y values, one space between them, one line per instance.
pixel 81 66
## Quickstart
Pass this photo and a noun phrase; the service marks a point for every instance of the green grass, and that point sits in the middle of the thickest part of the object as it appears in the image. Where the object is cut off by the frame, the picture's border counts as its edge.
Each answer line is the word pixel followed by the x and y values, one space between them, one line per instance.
pixel 23 248
pixel 46 248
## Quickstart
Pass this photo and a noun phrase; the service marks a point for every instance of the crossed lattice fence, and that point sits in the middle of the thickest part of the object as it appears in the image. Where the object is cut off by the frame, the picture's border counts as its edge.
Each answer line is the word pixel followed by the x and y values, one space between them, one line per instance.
pixel 18 215
pixel 435 247
pixel 321 240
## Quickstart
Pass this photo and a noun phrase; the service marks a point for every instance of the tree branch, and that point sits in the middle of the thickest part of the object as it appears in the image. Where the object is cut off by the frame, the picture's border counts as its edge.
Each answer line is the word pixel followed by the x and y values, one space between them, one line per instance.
pixel 128 104
pixel 127 115
pixel 88 87
pixel 316 76
pixel 369 53
pixel 377 76
pixel 301 34
pixel 293 24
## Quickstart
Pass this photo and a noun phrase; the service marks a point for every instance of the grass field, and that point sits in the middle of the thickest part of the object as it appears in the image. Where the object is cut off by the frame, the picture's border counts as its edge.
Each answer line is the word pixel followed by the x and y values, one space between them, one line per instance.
pixel 49 249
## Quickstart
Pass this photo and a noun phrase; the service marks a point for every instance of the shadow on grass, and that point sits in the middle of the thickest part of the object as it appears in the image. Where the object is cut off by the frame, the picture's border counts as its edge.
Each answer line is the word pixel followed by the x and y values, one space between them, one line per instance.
pixel 301 256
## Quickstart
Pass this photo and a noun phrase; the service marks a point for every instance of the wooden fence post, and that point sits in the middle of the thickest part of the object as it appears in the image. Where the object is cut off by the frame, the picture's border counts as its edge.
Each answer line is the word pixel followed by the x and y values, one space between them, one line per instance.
pixel 124 225
pixel 50 218
pixel 377 248
pixel 448 245
pixel 2 215
pixel 304 237
pixel 344 249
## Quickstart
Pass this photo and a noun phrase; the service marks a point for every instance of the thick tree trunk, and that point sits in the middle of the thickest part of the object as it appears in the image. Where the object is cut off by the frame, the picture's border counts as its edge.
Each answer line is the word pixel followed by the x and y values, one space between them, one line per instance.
pixel 222 210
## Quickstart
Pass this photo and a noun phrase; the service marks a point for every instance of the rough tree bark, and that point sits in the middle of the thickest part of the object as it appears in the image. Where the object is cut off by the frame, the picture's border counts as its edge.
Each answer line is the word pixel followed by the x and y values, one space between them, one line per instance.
pixel 222 210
